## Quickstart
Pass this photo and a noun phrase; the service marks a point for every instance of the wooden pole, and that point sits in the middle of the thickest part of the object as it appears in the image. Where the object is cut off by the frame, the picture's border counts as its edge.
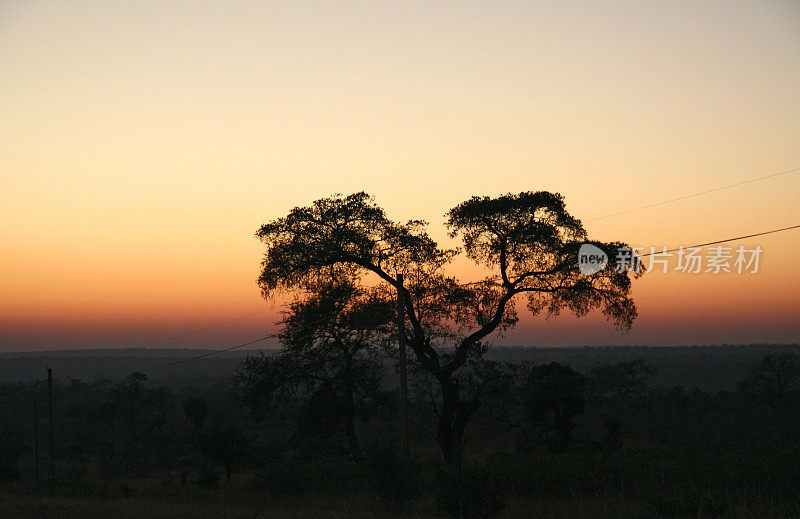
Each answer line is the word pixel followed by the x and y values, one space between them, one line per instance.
pixel 36 436
pixel 401 340
pixel 51 442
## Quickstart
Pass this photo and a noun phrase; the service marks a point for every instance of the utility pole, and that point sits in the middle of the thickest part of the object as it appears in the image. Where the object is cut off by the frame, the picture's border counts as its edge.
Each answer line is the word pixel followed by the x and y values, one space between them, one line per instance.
pixel 52 479
pixel 401 340
pixel 36 435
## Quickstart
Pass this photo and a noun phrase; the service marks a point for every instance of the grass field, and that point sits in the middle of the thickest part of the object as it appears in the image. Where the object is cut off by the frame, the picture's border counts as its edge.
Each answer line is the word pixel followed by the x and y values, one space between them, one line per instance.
pixel 21 503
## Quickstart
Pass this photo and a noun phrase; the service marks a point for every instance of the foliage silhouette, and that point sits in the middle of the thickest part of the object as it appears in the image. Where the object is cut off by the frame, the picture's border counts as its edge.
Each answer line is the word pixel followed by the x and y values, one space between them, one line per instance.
pixel 527 242
pixel 772 380
pixel 672 451
pixel 332 348
pixel 554 395
pixel 628 377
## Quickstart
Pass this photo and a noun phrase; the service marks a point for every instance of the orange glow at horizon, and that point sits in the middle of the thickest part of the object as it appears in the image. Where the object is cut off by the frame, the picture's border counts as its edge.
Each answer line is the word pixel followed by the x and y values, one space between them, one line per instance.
pixel 142 145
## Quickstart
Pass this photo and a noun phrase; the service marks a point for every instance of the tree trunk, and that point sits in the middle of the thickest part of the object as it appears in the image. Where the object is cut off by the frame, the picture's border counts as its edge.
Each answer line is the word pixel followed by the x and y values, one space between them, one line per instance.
pixel 452 423
pixel 349 416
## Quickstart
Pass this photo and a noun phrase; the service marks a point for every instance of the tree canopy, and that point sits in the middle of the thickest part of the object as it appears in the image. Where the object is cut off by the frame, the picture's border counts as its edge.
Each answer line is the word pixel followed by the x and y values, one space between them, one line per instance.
pixel 527 242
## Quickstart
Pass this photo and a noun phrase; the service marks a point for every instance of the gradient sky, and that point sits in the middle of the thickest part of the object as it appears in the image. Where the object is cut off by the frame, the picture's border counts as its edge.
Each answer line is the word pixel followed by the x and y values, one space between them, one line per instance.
pixel 142 144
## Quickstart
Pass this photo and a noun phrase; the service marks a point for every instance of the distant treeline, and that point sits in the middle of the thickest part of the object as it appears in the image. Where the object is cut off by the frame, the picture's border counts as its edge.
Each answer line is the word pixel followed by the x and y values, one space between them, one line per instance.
pixel 709 368
pixel 544 429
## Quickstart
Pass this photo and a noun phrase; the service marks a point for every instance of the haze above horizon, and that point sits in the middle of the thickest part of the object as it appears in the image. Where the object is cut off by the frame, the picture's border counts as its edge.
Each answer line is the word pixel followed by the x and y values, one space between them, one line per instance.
pixel 143 144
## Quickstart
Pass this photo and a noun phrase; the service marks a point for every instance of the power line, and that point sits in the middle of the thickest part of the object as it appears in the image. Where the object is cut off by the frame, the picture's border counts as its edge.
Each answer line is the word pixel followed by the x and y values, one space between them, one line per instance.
pixel 181 361
pixel 216 352
pixel 795 170
pixel 725 241
pixel 169 339
pixel 273 335
pixel 205 328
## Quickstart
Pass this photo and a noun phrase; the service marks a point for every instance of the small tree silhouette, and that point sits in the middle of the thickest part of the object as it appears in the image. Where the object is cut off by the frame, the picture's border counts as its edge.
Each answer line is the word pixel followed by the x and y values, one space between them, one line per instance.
pixel 772 379
pixel 628 378
pixel 224 443
pixel 196 410
pixel 553 395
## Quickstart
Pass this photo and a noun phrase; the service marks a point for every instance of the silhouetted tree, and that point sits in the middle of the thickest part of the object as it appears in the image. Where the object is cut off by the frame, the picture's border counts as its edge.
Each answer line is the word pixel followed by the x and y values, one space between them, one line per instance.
pixel 553 395
pixel 332 339
pixel 332 349
pixel 264 382
pixel 627 377
pixel 500 387
pixel 140 418
pixel 528 242
pixel 196 410
pixel 223 442
pixel 771 380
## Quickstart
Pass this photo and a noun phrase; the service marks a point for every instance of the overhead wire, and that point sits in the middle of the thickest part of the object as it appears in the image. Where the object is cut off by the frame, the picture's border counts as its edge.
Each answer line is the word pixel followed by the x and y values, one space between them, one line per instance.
pixel 714 190
pixel 724 241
